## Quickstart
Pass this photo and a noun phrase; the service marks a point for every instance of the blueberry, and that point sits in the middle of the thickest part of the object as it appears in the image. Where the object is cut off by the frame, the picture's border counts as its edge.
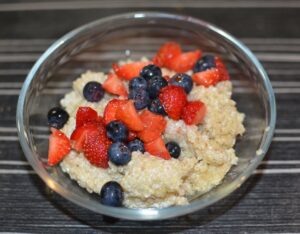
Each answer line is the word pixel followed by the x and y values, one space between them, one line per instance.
pixel 174 149
pixel 136 145
pixel 119 154
pixel 205 63
pixel 182 80
pixel 138 83
pixel 155 84
pixel 156 107
pixel 140 97
pixel 57 117
pixel 93 91
pixel 150 71
pixel 111 194
pixel 116 131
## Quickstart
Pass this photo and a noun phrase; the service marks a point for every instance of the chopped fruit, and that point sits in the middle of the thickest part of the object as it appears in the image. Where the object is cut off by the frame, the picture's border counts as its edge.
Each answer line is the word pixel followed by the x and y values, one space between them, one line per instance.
pixel 140 97
pixel 184 61
pixel 156 107
pixel 127 113
pixel 111 110
pixel 131 135
pixel 57 117
pixel 136 145
pixel 137 83
pixel 119 154
pixel 174 149
pixel 154 125
pixel 79 134
pixel 158 148
pixel 150 71
pixel 59 147
pixel 224 75
pixel 183 80
pixel 111 194
pixel 166 53
pixel 205 63
pixel 173 98
pixel 116 131
pixel 130 70
pixel 194 113
pixel 95 148
pixel 207 78
pixel 155 84
pixel 85 115
pixel 114 85
pixel 93 91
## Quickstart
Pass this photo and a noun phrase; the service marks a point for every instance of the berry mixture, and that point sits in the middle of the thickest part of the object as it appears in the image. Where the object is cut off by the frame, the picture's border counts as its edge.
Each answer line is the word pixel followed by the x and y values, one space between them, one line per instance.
pixel 150 133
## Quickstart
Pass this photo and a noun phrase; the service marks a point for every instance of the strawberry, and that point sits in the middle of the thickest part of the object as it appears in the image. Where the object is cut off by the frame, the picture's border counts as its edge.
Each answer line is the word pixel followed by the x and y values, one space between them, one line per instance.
pixel 114 85
pixel 111 109
pixel 131 135
pixel 222 69
pixel 129 70
pixel 127 113
pixel 166 53
pixel 185 61
pixel 84 115
pixel 157 148
pixel 59 147
pixel 154 125
pixel 173 98
pixel 194 113
pixel 207 78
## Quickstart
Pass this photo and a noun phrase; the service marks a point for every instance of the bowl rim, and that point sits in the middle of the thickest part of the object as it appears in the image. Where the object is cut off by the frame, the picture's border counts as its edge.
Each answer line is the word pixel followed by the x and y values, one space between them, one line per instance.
pixel 148 213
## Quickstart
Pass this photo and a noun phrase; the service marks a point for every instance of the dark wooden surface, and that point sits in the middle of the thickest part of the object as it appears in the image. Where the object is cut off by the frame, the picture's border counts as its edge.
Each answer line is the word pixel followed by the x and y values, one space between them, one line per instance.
pixel 269 202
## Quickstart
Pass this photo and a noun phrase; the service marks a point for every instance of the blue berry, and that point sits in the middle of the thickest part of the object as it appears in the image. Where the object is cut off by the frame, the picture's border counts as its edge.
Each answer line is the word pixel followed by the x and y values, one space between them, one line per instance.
pixel 57 117
pixel 138 83
pixel 150 71
pixel 140 97
pixel 156 107
pixel 205 63
pixel 182 80
pixel 119 154
pixel 155 84
pixel 116 131
pixel 174 149
pixel 136 145
pixel 111 194
pixel 93 91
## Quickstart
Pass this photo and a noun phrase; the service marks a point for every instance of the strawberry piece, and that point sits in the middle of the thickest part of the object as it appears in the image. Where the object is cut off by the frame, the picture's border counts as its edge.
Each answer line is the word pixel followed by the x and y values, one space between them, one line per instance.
pixel 154 125
pixel 131 135
pixel 224 75
pixel 59 147
pixel 129 70
pixel 185 61
pixel 111 110
pixel 114 85
pixel 157 148
pixel 173 98
pixel 84 115
pixel 166 53
pixel 194 113
pixel 127 113
pixel 207 78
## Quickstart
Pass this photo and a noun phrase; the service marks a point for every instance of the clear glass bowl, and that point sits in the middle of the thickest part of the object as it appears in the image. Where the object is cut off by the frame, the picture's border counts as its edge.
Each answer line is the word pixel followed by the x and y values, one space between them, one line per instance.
pixel 96 46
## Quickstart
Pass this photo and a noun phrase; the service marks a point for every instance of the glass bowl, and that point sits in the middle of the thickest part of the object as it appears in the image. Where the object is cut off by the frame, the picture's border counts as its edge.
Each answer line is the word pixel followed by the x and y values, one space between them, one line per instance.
pixel 95 46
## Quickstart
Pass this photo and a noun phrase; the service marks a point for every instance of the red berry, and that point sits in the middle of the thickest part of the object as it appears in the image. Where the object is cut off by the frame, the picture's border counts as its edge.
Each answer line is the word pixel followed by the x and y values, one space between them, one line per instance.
pixel 194 113
pixel 84 115
pixel 224 75
pixel 166 53
pixel 59 147
pixel 185 61
pixel 111 110
pixel 158 148
pixel 114 85
pixel 173 98
pixel 130 70
pixel 207 77
pixel 131 135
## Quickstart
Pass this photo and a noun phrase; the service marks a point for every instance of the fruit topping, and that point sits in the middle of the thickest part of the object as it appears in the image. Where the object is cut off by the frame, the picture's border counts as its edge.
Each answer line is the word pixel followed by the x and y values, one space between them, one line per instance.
pixel 183 80
pixel 222 69
pixel 184 61
pixel 93 91
pixel 119 154
pixel 130 70
pixel 111 110
pixel 114 85
pixel 156 107
pixel 111 194
pixel 136 145
pixel 140 97
pixel 131 135
pixel 150 71
pixel 137 83
pixel 207 78
pixel 57 117
pixel 155 84
pixel 205 63
pixel 157 148
pixel 84 115
pixel 116 131
pixel 166 53
pixel 174 149
pixel 194 113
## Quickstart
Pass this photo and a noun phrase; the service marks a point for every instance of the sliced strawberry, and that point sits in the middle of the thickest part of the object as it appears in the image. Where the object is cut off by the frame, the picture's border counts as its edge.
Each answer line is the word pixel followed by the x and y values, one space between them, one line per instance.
pixel 207 78
pixel 185 61
pixel 111 110
pixel 154 125
pixel 129 116
pixel 129 70
pixel 166 53
pixel 59 147
pixel 84 115
pixel 224 75
pixel 114 85
pixel 194 113
pixel 131 135
pixel 173 98
pixel 157 148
